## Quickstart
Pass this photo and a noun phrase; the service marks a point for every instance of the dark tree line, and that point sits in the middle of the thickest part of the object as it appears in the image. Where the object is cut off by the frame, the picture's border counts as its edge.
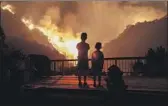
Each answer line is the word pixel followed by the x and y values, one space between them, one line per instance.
pixel 156 63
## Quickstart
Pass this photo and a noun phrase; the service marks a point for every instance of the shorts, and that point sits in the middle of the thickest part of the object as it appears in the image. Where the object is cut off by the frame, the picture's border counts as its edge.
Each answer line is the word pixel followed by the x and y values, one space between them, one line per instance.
pixel 83 65
pixel 97 72
pixel 83 72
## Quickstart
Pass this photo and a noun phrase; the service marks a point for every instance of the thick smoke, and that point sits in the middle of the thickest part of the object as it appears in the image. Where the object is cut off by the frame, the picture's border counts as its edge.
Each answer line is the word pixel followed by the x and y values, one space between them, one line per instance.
pixel 160 5
pixel 103 20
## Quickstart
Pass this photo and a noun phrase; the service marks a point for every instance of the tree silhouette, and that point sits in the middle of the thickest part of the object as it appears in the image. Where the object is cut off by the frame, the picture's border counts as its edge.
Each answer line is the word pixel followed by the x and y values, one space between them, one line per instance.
pixel 156 62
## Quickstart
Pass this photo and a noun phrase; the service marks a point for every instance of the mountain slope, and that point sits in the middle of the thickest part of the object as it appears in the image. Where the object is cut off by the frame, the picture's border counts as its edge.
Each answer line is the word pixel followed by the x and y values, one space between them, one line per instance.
pixel 20 37
pixel 136 39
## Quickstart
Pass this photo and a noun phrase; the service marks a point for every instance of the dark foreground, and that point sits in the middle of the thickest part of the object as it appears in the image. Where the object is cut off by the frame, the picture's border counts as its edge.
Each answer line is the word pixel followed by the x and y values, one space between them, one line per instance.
pixel 81 97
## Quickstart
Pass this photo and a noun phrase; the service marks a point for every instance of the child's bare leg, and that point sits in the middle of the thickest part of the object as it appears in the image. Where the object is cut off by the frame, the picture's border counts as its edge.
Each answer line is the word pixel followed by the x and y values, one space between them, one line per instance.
pixel 85 78
pixel 79 80
pixel 99 79
pixel 94 81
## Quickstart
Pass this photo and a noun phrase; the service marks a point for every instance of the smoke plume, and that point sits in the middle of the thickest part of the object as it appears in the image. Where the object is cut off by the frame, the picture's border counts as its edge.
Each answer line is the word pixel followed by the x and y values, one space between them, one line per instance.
pixel 102 20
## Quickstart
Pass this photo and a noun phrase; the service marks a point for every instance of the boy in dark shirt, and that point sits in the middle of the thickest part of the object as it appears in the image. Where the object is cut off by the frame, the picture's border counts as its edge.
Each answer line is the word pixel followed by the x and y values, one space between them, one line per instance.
pixel 97 63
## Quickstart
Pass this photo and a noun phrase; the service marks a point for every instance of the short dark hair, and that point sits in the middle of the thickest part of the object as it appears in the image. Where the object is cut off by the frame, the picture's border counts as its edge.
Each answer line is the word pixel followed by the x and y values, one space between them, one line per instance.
pixel 98 45
pixel 84 36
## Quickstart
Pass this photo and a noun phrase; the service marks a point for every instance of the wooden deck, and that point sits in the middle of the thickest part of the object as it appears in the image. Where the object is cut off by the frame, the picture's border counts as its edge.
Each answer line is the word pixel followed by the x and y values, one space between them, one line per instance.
pixel 134 83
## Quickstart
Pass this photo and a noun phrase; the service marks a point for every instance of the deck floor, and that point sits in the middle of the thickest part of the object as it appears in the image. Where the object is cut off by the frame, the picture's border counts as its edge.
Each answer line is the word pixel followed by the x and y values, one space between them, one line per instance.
pixel 134 83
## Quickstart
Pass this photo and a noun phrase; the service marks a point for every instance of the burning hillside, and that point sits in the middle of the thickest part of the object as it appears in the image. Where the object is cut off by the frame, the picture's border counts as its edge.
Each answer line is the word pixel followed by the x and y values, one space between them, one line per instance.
pixel 19 37
pixel 60 22
pixel 62 41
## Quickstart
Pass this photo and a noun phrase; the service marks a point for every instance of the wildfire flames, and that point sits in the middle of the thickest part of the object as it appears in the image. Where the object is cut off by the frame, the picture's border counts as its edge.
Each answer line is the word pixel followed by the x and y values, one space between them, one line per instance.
pixel 8 7
pixel 64 42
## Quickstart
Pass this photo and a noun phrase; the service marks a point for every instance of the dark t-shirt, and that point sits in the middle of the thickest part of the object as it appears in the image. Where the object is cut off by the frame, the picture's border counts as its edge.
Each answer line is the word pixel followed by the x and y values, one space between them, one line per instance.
pixel 97 60
pixel 83 49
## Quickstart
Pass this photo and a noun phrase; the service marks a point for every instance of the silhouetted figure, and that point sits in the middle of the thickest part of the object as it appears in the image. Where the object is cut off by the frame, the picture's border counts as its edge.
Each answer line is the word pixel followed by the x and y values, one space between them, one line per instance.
pixel 97 63
pixel 83 66
pixel 115 83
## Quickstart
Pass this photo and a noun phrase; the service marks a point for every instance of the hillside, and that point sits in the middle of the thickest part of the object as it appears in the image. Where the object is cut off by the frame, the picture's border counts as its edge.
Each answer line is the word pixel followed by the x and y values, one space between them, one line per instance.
pixel 136 39
pixel 19 37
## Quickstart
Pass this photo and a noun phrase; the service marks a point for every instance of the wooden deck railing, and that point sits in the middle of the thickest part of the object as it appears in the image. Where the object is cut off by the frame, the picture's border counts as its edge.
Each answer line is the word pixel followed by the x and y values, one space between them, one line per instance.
pixel 69 65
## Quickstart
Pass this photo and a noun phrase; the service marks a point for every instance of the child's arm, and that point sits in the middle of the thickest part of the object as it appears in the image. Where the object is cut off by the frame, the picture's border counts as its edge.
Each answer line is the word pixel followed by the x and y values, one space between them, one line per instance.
pixel 92 58
pixel 88 46
pixel 77 46
pixel 102 62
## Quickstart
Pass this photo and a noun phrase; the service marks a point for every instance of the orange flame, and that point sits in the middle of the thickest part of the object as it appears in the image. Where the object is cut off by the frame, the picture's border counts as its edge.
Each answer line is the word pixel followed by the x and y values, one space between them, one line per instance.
pixel 64 42
pixel 8 7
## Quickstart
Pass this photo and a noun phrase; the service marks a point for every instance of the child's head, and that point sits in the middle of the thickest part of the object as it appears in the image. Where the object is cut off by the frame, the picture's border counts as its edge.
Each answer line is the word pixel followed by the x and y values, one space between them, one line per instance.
pixel 83 36
pixel 98 46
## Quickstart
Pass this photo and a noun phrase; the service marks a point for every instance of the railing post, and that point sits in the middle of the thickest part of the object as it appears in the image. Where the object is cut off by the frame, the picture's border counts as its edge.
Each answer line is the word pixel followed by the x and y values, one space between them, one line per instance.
pixel 54 65
pixel 116 62
pixel 62 67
